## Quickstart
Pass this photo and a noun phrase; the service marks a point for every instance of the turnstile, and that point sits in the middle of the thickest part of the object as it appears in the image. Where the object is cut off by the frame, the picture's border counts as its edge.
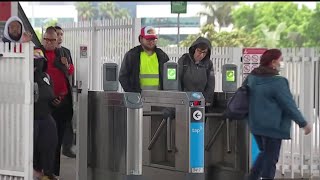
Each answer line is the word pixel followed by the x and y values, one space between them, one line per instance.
pixel 114 136
pixel 177 151
pixel 226 143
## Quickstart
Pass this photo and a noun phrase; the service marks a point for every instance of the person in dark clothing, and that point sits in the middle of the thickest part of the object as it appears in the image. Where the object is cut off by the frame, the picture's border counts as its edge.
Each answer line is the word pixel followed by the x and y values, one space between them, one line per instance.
pixel 195 72
pixel 45 132
pixel 68 134
pixel 271 110
pixel 196 69
pixel 60 68
pixel 142 66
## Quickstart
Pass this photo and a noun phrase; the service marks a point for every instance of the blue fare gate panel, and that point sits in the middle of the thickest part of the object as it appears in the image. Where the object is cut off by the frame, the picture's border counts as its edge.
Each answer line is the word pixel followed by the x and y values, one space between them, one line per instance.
pixel 196 135
pixel 254 150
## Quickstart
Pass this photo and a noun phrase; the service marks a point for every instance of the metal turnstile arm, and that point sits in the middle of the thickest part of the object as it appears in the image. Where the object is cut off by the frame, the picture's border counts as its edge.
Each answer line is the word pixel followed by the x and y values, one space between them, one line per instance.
pixel 157 133
pixel 213 137
pixel 152 113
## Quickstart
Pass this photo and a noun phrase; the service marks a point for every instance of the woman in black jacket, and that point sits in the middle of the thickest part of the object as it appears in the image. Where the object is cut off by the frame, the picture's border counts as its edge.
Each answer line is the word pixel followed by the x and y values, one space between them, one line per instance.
pixel 45 132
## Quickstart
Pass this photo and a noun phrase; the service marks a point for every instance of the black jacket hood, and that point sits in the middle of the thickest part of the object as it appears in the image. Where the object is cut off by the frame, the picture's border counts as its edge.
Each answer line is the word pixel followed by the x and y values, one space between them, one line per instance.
pixel 197 42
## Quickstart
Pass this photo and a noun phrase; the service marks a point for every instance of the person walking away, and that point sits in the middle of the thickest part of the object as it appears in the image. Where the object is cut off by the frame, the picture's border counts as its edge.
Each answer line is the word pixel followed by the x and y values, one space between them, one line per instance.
pixel 271 109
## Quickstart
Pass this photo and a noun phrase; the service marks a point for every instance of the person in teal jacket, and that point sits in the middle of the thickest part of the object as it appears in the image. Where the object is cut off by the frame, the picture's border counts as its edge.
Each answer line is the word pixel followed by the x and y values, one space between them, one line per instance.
pixel 271 109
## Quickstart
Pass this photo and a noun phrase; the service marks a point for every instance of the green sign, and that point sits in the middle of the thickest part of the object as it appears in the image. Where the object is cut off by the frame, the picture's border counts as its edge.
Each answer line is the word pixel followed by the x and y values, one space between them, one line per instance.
pixel 178 7
pixel 230 76
pixel 171 74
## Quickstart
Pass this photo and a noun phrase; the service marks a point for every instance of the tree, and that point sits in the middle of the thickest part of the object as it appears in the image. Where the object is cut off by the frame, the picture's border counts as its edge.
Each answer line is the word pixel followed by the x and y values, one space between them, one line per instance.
pixel 110 10
pixel 235 38
pixel 311 30
pixel 272 14
pixel 272 38
pixel 162 42
pixel 219 12
pixel 105 10
pixel 50 22
pixel 86 11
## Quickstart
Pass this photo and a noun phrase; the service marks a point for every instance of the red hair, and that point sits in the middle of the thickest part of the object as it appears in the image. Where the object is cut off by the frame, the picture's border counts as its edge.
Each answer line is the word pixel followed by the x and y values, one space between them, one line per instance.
pixel 269 55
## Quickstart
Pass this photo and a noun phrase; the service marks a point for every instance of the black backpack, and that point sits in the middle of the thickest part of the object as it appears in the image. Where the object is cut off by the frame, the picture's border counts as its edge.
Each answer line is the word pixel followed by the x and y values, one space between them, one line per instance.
pixel 238 104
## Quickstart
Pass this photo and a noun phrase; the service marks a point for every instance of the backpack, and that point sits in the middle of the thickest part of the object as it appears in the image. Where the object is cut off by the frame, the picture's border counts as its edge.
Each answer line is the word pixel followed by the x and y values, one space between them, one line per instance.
pixel 238 104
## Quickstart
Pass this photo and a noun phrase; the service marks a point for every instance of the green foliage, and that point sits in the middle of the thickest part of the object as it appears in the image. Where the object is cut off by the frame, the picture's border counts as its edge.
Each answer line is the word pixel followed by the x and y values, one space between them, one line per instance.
pixel 312 28
pixel 235 38
pixel 219 12
pixel 263 19
pixel 107 10
pixel 50 22
pixel 38 33
pixel 162 42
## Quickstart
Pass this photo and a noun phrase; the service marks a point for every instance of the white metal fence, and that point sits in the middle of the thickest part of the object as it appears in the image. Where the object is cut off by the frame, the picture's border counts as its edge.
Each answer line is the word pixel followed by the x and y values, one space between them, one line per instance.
pixel 16 112
pixel 110 40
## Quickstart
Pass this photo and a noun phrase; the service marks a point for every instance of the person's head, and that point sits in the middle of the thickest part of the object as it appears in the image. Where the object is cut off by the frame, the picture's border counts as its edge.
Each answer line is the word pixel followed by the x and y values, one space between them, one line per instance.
pixel 148 38
pixel 60 34
pixel 50 39
pixel 201 50
pixel 14 29
pixel 272 58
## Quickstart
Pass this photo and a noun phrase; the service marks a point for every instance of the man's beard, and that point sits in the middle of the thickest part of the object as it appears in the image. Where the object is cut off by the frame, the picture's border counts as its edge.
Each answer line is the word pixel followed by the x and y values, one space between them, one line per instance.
pixel 147 48
pixel 15 38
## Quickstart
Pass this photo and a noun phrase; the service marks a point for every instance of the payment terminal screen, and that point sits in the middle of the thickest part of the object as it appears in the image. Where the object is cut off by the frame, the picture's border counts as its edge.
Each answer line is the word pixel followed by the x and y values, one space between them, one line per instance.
pixel 172 74
pixel 230 76
pixel 111 74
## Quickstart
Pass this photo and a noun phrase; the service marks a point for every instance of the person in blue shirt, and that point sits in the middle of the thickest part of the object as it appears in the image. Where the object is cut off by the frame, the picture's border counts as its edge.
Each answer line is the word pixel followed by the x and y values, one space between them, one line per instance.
pixel 271 109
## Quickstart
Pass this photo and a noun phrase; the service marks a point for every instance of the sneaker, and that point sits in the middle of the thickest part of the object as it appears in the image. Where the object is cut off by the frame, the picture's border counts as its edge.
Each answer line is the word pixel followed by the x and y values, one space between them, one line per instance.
pixel 69 154
pixel 45 178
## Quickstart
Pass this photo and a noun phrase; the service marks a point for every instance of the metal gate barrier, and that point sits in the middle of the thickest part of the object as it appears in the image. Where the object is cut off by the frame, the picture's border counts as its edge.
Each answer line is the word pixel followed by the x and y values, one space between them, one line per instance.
pixel 177 154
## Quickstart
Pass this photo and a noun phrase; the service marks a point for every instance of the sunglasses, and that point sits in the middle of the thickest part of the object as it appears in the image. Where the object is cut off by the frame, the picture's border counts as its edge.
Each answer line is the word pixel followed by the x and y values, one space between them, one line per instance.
pixel 50 40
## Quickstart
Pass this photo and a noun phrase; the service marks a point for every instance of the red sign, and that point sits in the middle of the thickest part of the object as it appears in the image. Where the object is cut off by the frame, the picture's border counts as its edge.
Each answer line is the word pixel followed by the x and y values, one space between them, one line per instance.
pixel 251 59
pixel 254 50
pixel 5 10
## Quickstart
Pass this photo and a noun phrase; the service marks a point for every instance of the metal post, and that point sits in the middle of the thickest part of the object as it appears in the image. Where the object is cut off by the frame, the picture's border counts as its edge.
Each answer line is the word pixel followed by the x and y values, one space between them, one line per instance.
pixel 178 38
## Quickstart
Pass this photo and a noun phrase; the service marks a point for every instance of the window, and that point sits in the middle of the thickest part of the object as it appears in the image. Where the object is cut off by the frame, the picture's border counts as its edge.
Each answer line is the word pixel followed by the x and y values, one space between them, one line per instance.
pixel 171 22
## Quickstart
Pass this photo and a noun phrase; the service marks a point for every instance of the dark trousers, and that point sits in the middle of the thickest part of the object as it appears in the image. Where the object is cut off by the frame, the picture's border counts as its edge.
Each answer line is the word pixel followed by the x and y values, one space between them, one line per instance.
pixel 68 138
pixel 265 164
pixel 61 115
pixel 44 146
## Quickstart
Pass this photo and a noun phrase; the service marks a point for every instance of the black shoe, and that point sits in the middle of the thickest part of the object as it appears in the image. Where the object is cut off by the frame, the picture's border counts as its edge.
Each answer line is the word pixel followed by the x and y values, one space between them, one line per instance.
pixel 69 154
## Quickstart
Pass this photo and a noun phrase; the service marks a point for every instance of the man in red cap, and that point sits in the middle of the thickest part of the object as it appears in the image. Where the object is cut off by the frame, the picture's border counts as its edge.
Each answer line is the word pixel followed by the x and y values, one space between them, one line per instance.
pixel 142 66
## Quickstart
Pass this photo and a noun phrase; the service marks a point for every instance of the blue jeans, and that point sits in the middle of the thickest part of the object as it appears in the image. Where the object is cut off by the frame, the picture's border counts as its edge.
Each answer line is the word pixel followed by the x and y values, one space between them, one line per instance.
pixel 265 164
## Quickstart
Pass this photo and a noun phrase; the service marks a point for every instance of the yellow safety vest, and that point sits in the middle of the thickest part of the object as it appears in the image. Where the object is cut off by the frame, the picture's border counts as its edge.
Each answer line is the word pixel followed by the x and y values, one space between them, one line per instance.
pixel 149 71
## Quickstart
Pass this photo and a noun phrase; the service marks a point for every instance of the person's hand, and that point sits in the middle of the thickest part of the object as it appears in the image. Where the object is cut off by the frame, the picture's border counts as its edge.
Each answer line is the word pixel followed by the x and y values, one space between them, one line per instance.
pixel 307 128
pixel 64 61
pixel 26 37
pixel 56 101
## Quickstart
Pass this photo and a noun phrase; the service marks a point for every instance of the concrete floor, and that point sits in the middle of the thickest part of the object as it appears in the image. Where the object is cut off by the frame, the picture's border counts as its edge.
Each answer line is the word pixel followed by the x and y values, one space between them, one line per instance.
pixel 68 168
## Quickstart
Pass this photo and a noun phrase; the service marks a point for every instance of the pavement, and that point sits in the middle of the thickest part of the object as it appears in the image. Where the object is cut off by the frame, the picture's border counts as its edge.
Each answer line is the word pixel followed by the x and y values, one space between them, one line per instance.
pixel 68 171
pixel 67 168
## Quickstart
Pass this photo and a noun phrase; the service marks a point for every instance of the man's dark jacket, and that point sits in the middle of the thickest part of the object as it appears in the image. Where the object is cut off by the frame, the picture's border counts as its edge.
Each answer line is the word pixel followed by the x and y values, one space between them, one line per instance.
pixel 64 52
pixel 129 75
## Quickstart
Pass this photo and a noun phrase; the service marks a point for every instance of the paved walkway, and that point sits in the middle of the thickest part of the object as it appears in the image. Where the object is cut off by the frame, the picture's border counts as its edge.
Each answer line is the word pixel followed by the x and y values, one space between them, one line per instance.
pixel 68 168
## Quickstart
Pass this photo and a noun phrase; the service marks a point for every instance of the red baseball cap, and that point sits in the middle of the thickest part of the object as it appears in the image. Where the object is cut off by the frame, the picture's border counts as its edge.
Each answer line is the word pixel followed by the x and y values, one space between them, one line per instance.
pixel 148 32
